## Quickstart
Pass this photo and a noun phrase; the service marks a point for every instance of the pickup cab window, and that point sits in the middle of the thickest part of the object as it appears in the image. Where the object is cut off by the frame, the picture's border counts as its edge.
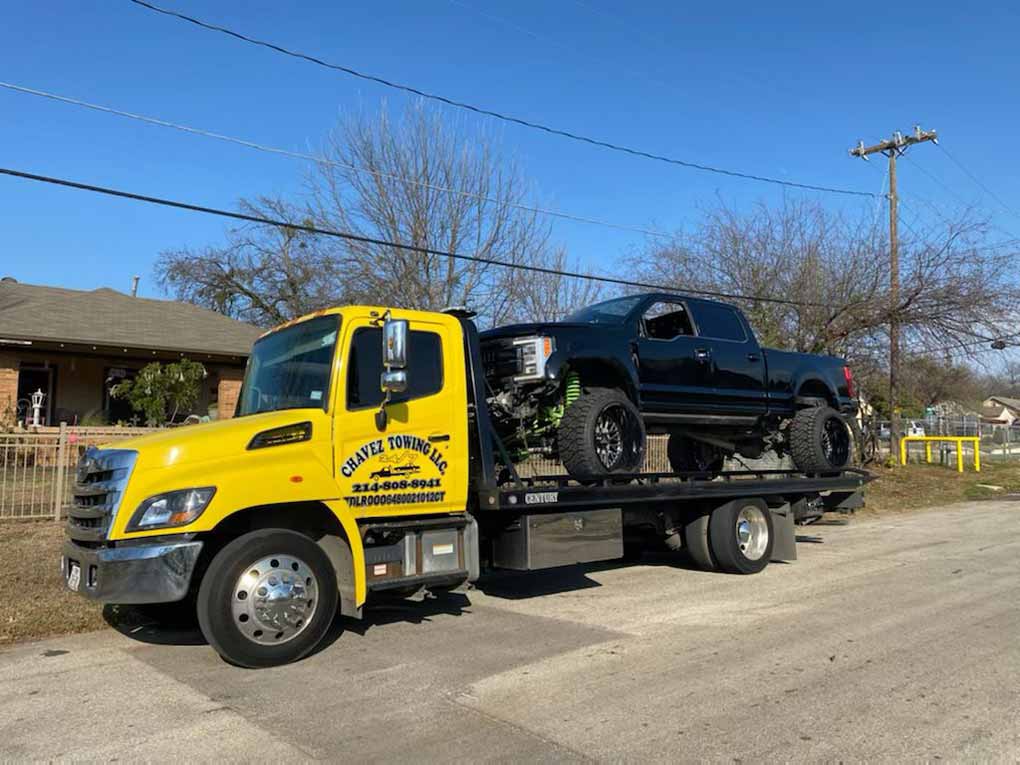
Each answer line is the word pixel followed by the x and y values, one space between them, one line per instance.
pixel 719 322
pixel 290 368
pixel 364 367
pixel 664 321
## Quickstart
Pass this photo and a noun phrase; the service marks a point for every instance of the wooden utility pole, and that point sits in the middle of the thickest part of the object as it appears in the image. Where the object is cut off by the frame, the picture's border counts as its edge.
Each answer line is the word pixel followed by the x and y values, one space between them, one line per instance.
pixel 893 148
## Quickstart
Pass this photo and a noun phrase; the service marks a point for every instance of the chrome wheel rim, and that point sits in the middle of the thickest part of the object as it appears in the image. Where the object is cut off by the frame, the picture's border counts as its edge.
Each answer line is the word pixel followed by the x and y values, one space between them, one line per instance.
pixel 274 599
pixel 752 532
pixel 609 436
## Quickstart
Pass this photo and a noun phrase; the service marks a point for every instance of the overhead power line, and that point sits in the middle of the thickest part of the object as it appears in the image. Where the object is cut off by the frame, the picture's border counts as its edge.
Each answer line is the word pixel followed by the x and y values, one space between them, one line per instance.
pixel 979 183
pixel 494 114
pixel 324 160
pixel 350 236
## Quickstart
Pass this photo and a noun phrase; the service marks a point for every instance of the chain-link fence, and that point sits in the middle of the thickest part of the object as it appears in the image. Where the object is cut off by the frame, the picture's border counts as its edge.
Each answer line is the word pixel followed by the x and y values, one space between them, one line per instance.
pixel 37 468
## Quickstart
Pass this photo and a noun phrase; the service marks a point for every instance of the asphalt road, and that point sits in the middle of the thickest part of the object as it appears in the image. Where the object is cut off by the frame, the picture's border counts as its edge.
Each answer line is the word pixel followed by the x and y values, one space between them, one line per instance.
pixel 888 639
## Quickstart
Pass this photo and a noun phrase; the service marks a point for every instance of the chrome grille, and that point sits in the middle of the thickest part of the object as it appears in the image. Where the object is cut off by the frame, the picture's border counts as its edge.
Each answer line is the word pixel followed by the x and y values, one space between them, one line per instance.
pixel 99 485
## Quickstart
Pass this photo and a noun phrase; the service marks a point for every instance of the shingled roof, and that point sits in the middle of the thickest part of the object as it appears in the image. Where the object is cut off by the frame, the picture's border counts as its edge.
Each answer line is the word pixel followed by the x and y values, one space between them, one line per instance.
pixel 110 318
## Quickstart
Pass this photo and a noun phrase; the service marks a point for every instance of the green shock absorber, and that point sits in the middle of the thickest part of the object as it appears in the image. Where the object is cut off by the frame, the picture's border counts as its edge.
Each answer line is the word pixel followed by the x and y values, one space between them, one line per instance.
pixel 571 389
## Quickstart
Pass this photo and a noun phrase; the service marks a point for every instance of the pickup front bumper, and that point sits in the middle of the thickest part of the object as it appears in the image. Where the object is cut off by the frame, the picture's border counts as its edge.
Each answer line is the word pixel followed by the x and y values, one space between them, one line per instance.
pixel 158 572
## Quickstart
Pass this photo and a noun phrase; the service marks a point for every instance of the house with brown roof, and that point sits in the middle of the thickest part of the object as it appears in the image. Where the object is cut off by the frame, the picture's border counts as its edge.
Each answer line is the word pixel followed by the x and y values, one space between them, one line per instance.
pixel 75 345
pixel 1000 410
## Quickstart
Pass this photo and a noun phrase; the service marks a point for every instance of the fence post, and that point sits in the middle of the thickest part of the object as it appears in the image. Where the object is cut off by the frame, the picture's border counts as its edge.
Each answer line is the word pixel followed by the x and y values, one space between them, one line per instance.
pixel 58 500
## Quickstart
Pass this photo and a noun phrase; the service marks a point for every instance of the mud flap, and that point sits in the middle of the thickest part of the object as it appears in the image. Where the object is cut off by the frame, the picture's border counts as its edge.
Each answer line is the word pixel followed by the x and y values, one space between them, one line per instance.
pixel 784 546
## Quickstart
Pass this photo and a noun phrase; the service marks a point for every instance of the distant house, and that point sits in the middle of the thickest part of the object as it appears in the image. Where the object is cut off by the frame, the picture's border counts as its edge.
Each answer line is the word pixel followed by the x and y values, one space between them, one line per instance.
pixel 999 410
pixel 74 345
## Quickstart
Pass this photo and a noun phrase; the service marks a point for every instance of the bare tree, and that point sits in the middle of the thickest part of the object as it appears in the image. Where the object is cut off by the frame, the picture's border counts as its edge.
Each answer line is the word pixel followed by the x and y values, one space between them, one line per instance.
pixel 264 274
pixel 417 181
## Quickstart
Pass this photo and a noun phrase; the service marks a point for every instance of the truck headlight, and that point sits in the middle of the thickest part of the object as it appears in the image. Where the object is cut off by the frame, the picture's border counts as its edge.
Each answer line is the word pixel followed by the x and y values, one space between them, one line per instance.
pixel 532 353
pixel 172 508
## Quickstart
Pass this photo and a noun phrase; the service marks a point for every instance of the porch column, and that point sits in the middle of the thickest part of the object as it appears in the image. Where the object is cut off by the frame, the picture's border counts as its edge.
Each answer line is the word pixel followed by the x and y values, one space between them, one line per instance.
pixel 8 388
pixel 227 390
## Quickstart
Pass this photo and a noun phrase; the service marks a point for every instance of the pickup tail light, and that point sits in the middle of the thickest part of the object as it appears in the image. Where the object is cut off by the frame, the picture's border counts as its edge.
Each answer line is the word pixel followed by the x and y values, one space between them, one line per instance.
pixel 848 375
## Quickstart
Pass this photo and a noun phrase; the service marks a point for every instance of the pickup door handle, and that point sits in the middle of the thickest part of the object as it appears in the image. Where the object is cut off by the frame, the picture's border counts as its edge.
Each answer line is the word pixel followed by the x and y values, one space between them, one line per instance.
pixel 702 354
pixel 436 437
pixel 752 357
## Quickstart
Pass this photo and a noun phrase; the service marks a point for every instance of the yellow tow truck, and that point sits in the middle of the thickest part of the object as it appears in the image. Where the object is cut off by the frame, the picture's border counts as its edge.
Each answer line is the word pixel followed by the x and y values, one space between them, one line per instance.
pixel 362 460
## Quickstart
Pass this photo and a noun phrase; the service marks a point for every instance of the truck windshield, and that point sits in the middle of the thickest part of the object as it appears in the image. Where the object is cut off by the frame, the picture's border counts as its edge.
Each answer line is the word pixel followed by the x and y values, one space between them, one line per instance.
pixel 290 369
pixel 609 312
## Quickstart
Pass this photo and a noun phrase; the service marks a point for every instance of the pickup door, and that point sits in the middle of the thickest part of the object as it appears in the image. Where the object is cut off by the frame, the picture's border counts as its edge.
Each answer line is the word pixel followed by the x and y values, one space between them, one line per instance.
pixel 698 358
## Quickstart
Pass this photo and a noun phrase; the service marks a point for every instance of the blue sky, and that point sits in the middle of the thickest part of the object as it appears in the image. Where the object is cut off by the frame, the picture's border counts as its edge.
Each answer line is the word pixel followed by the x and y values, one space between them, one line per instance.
pixel 779 89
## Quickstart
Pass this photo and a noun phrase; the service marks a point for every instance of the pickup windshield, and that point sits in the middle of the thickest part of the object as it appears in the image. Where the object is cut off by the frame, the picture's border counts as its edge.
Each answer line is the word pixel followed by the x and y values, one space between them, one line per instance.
pixel 609 312
pixel 290 369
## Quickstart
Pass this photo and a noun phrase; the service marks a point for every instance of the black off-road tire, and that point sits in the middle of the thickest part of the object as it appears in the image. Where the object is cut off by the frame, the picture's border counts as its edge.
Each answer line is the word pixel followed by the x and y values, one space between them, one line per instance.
pixel 811 452
pixel 576 436
pixel 689 456
pixel 217 593
pixel 733 552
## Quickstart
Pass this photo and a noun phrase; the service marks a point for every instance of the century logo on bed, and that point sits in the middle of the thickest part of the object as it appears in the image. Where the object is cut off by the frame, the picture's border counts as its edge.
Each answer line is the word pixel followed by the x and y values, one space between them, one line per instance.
pixel 395 477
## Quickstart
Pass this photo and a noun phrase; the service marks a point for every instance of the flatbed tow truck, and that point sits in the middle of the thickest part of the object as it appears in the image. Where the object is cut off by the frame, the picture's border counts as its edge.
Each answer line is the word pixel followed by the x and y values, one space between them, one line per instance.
pixel 362 461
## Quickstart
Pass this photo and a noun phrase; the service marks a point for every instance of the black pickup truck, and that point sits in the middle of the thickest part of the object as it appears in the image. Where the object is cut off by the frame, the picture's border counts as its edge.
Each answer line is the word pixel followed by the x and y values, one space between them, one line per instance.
pixel 588 389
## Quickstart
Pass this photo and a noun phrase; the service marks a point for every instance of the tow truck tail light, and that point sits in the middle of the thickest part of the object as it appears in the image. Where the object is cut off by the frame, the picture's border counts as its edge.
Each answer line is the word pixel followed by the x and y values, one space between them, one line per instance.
pixel 851 389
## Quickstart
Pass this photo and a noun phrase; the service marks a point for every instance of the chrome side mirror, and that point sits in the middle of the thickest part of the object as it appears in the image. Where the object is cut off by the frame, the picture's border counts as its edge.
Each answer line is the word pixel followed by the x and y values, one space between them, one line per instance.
pixel 393 381
pixel 394 344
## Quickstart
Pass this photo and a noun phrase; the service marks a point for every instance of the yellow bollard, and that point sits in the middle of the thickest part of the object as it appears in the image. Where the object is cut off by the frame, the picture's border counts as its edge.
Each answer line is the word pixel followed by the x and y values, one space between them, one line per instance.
pixel 977 455
pixel 959 455
pixel 903 451
pixel 927 451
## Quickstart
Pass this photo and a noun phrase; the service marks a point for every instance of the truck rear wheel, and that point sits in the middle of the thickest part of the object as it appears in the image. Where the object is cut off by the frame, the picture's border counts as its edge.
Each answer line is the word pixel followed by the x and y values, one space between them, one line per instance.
pixel 741 536
pixel 601 433
pixel 697 544
pixel 820 440
pixel 267 598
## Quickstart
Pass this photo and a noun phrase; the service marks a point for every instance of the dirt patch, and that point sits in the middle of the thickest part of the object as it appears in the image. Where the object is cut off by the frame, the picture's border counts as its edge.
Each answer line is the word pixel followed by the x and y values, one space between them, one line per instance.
pixel 917 486
pixel 37 604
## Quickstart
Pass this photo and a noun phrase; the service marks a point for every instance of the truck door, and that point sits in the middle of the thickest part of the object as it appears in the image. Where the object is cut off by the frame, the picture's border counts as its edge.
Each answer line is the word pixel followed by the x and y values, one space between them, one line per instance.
pixel 731 357
pixel 417 462
pixel 672 378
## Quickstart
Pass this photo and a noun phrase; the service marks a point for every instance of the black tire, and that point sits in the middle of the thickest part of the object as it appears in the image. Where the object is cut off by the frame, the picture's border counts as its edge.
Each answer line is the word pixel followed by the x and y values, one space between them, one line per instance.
pixel 697 543
pixel 217 595
pixel 737 549
pixel 582 439
pixel 820 440
pixel 689 456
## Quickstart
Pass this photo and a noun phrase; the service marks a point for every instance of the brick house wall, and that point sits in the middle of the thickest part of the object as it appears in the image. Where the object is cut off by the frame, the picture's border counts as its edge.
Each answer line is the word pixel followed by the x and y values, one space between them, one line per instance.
pixel 227 391
pixel 8 388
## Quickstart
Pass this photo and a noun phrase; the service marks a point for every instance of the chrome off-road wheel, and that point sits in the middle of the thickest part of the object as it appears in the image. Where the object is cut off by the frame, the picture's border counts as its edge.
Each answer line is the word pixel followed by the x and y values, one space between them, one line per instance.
pixel 267 598
pixel 601 433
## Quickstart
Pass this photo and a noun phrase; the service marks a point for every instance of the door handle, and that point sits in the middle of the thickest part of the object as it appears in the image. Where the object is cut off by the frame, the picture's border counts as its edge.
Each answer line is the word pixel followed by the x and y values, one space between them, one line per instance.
pixel 437 437
pixel 752 357
pixel 702 354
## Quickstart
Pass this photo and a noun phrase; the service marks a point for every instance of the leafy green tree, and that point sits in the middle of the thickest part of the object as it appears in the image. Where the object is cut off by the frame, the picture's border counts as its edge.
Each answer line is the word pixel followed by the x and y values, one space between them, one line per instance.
pixel 158 390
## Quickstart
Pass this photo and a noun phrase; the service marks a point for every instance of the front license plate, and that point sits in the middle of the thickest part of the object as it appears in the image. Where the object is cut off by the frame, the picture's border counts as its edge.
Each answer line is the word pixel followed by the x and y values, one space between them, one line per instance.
pixel 74 576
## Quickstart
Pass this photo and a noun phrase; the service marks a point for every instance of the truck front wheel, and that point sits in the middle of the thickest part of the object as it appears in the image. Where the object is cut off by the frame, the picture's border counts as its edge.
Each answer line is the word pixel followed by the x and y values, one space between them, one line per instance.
pixel 601 433
pixel 267 598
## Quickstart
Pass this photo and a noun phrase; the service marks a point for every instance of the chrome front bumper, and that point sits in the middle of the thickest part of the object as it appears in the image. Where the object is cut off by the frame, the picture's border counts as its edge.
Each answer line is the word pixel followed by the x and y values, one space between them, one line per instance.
pixel 147 573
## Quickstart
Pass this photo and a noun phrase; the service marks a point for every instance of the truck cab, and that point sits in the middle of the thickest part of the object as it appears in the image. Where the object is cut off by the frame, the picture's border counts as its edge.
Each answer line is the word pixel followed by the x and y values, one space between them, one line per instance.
pixel 334 427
